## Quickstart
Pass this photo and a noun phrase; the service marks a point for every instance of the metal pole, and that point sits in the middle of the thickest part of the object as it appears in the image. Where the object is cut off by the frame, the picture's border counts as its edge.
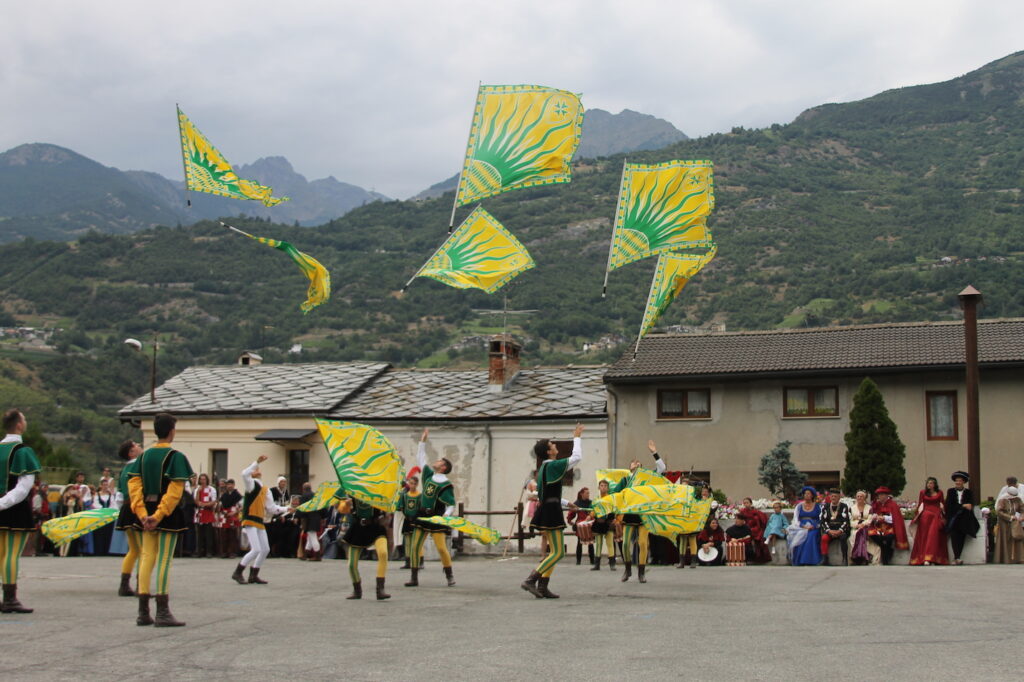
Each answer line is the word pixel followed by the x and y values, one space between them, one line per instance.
pixel 184 161
pixel 611 247
pixel 969 300
pixel 152 375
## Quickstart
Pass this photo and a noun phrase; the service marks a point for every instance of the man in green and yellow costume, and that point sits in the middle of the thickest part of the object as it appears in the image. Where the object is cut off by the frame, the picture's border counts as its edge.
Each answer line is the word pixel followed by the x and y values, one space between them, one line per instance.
pixel 156 482
pixel 18 469
pixel 437 499
pixel 632 524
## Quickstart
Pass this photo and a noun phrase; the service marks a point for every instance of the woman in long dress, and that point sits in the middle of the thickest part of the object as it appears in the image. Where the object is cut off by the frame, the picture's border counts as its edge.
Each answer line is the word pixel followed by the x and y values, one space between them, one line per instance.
pixel 1009 511
pixel 804 536
pixel 930 540
pixel 862 552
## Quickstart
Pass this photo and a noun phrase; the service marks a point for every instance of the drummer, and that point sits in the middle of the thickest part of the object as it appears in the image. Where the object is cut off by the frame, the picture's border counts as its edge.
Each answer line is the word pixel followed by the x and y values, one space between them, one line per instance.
pixel 582 523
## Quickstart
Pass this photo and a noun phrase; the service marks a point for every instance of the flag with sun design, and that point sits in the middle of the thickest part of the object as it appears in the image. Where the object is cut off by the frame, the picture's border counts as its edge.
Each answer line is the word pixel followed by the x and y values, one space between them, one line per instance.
pixel 662 207
pixel 521 136
pixel 479 254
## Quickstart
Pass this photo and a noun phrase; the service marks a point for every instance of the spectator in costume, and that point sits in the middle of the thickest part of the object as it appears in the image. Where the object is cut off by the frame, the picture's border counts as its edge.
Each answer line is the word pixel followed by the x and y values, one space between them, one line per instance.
pixel 961 521
pixel 229 505
pixel 104 499
pixel 738 544
pixel 804 533
pixel 1009 532
pixel 205 496
pixel 861 551
pixel 756 520
pixel 887 528
pixel 930 539
pixel 19 467
pixel 835 526
pixel 580 520
pixel 776 528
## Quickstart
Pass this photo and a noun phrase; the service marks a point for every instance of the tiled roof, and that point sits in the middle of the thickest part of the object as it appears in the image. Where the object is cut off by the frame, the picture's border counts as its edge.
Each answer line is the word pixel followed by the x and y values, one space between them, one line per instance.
pixel 883 346
pixel 261 389
pixel 446 394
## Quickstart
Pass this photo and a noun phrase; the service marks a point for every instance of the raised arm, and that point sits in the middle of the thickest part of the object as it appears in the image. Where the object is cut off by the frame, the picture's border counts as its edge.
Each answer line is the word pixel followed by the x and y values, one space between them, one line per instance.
pixel 659 463
pixel 248 482
pixel 421 450
pixel 577 447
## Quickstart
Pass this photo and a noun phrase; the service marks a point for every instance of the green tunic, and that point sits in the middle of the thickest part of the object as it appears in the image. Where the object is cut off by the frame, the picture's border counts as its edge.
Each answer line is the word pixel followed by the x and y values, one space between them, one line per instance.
pixel 16 459
pixel 433 500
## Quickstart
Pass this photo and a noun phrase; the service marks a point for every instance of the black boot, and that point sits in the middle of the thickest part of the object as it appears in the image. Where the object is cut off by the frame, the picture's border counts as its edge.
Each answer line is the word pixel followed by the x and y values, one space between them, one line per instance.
pixel 254 576
pixel 381 594
pixel 846 552
pixel 357 591
pixel 448 576
pixel 611 563
pixel 406 564
pixel 590 554
pixel 125 590
pixel 144 618
pixel 597 564
pixel 414 579
pixel 530 585
pixel 11 603
pixel 579 554
pixel 640 573
pixel 628 573
pixel 164 618
pixel 237 575
pixel 542 587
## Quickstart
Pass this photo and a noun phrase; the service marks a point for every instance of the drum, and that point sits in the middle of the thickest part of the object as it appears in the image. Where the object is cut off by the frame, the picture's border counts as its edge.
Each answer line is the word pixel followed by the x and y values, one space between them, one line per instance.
pixel 585 531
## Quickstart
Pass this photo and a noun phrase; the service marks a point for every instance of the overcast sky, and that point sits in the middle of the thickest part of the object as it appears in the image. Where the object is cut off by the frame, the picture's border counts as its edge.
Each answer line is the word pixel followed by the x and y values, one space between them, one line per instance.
pixel 380 94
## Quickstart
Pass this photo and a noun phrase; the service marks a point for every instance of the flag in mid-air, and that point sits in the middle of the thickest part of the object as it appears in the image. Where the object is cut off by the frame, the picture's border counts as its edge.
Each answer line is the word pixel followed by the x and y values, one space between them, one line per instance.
pixel 521 136
pixel 488 536
pixel 206 169
pixel 673 272
pixel 64 529
pixel 662 207
pixel 319 278
pixel 479 254
pixel 674 499
pixel 367 465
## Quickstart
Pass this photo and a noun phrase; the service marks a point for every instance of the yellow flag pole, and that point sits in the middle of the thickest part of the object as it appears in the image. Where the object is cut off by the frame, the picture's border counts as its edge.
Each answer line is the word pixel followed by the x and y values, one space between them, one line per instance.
pixel 436 251
pixel 611 246
pixel 235 229
pixel 184 164
pixel 458 183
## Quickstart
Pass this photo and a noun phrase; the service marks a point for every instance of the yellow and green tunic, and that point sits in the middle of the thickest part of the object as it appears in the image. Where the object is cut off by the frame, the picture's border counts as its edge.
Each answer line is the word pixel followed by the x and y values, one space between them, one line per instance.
pixel 254 506
pixel 16 460
pixel 433 501
pixel 409 505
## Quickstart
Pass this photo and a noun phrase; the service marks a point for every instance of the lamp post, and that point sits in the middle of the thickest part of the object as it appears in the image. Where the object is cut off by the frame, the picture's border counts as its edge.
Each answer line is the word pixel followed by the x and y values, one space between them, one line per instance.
pixel 137 345
pixel 969 300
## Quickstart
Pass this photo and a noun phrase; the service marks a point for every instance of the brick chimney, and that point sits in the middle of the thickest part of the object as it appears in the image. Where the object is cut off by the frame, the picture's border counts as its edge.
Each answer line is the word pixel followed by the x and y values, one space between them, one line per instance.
pixel 503 362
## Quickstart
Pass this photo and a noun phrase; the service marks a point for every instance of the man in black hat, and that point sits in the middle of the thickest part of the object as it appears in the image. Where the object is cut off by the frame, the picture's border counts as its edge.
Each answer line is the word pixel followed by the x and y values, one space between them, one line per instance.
pixel 960 512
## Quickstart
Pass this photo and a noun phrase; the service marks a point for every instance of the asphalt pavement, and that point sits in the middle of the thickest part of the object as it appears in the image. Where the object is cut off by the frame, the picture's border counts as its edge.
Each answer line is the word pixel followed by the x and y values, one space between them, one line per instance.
pixel 722 623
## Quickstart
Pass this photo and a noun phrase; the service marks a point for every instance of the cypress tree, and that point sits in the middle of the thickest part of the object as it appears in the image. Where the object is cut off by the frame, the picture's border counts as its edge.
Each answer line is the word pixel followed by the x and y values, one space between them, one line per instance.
pixel 874 451
pixel 778 473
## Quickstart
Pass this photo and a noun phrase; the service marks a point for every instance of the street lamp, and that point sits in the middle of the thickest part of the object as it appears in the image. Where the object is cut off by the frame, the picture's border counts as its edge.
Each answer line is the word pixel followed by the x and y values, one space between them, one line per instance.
pixel 137 345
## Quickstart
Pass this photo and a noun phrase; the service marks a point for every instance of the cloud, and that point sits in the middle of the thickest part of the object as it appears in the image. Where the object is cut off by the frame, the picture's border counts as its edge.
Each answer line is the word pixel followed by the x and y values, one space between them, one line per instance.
pixel 380 94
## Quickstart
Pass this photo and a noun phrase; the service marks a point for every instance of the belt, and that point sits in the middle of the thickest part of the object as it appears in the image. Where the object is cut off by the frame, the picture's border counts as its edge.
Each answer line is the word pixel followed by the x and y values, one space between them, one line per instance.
pixel 151 498
pixel 553 499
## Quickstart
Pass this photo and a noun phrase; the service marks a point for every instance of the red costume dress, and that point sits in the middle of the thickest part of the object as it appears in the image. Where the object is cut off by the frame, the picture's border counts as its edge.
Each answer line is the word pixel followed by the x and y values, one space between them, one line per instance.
pixel 891 533
pixel 930 540
pixel 756 520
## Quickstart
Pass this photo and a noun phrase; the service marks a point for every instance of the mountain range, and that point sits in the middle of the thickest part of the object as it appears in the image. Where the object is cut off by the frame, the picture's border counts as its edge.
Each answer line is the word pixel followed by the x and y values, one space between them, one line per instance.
pixel 873 211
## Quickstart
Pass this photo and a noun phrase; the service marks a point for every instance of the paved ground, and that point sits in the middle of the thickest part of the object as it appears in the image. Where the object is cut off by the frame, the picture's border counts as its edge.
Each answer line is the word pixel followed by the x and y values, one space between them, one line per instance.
pixel 893 623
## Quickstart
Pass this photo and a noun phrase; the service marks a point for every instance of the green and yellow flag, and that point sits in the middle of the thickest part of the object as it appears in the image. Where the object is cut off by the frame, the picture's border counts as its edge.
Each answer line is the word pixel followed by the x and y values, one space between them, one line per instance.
pixel 488 536
pixel 206 169
pixel 662 207
pixel 672 499
pixel 319 277
pixel 479 254
pixel 673 525
pixel 643 476
pixel 521 136
pixel 64 529
pixel 323 497
pixel 673 272
pixel 367 465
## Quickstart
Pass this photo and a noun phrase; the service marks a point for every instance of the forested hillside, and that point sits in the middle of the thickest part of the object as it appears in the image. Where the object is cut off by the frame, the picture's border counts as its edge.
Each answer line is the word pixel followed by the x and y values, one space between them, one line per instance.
pixel 870 211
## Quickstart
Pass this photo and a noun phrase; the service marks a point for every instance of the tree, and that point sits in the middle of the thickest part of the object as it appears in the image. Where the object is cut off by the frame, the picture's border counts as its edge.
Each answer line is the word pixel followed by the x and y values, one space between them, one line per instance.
pixel 874 451
pixel 778 473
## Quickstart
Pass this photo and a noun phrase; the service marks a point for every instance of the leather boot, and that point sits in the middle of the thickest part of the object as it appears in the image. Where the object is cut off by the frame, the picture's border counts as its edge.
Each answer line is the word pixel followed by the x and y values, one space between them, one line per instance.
pixel 530 585
pixel 611 563
pixel 357 591
pixel 448 575
pixel 682 561
pixel 254 576
pixel 640 573
pixel 406 564
pixel 238 576
pixel 597 564
pixel 381 594
pixel 414 578
pixel 125 590
pixel 164 617
pixel 628 573
pixel 144 618
pixel 542 587
pixel 11 603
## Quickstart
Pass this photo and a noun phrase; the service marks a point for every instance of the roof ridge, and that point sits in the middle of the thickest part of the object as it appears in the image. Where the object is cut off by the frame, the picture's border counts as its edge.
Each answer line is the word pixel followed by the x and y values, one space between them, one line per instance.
pixel 833 328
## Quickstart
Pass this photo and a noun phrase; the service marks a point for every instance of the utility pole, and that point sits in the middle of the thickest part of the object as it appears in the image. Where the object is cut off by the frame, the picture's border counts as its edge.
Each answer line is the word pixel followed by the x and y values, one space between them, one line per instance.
pixel 969 300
